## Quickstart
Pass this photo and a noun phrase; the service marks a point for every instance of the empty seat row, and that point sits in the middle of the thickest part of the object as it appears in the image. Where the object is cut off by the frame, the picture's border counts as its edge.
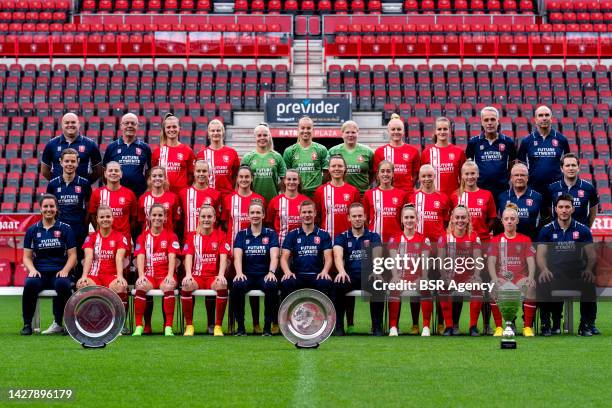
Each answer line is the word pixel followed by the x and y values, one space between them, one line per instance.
pixel 145 6
pixel 31 25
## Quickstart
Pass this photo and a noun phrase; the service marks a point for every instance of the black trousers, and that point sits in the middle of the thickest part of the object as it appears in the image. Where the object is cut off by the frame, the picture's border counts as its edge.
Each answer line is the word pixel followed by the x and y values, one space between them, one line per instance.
pixel 32 288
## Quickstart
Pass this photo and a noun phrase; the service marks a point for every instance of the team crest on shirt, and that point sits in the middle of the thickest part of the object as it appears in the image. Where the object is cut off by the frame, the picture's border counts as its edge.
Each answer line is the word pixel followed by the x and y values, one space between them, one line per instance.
pixel 436 204
pixel 57 234
pixel 349 244
pixel 166 206
pixel 576 234
pixel 347 197
pixel 518 248
pixel 38 235
pixel 121 200
pixel 299 240
pixel 317 240
pixel 118 151
pixel 502 147
pixel 480 201
pixel 179 156
pixel 481 147
pixel 82 149
pixel 405 156
pixel 360 159
pixel 59 189
pixel 138 151
pixel 77 189
pixel 226 158
pixel 535 143
pixel 554 236
pixel 395 200
pixel 451 156
pixel 581 193
pixel 265 240
pixel 555 142
pixel 529 202
pixel 313 156
pixel 164 244
pixel 59 148
pixel 248 241
pixel 112 243
pixel 207 200
pixel 214 246
pixel 272 162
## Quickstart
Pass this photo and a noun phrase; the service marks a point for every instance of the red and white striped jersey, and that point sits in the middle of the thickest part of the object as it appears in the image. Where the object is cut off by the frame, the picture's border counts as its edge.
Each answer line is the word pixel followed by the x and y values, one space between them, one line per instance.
pixel 236 213
pixel 406 163
pixel 447 161
pixel 481 206
pixel 170 202
pixel 433 210
pixel 192 200
pixel 206 251
pixel 223 166
pixel 122 202
pixel 178 162
pixel 284 214
pixel 333 204
pixel 382 209
pixel 156 249
pixel 105 252
pixel 511 255
pixel 414 247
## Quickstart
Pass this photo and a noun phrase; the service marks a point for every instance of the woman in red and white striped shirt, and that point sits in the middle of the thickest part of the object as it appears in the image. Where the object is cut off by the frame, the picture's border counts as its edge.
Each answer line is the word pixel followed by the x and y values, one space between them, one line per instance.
pixel 157 192
pixel 192 198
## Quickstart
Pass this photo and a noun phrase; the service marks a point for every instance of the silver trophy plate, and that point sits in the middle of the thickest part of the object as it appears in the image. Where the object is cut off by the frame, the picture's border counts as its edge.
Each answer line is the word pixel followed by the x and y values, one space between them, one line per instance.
pixel 307 318
pixel 94 316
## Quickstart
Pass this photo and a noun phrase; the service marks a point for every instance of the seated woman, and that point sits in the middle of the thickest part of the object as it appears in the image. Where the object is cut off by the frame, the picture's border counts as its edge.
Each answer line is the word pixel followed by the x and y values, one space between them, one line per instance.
pixel 49 254
pixel 256 252
pixel 156 251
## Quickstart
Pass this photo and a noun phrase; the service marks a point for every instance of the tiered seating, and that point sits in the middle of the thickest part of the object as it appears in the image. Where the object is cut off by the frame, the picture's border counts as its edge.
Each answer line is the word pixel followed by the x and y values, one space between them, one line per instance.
pixel 34 11
pixel 470 6
pixel 34 98
pixel 579 12
pixel 146 6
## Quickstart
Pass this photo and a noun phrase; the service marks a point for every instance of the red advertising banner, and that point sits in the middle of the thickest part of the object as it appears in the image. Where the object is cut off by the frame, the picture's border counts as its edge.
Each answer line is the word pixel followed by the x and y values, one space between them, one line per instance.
pixel 602 226
pixel 12 229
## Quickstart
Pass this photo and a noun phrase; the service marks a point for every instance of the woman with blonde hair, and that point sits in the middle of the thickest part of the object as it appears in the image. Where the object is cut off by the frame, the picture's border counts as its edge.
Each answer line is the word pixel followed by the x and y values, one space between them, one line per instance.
pixel 358 157
pixel 223 161
pixel 158 192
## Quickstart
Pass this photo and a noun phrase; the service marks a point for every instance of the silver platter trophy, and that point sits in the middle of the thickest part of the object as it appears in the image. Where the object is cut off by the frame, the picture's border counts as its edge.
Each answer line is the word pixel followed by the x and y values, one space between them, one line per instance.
pixel 307 318
pixel 94 316
pixel 509 302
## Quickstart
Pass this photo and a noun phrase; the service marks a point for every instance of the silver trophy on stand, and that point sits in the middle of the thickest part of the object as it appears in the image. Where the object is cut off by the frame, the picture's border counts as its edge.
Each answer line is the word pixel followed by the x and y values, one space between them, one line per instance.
pixel 509 302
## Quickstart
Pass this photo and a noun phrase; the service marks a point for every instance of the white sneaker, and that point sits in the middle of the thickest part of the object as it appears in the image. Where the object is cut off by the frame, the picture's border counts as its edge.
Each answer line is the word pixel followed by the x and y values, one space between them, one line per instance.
pixel 53 329
pixel 393 332
pixel 425 332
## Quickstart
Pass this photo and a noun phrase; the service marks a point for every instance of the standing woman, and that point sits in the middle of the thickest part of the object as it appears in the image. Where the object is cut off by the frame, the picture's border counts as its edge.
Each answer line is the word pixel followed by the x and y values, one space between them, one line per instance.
pixel 256 252
pixel 411 244
pixel 383 204
pixel 358 157
pixel 223 161
pixel 406 159
pixel 334 198
pixel 156 251
pixel 284 210
pixel 461 242
pixel 446 158
pixel 192 198
pixel 104 254
pixel 49 254
pixel 176 158
pixel 267 164
pixel 206 252
pixel 158 192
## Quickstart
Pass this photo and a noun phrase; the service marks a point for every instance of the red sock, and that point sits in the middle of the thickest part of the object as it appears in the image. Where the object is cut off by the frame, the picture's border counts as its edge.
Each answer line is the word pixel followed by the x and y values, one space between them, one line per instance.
pixel 394 309
pixel 140 304
pixel 220 304
pixel 447 312
pixel 210 309
pixel 187 305
pixel 497 317
pixel 475 306
pixel 169 302
pixel 148 313
pixel 427 309
pixel 530 309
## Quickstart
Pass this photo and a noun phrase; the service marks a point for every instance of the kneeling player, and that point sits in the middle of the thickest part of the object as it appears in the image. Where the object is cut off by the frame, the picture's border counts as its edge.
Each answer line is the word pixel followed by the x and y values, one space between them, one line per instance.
pixel 512 259
pixel 156 250
pixel 409 244
pixel 206 252
pixel 104 254
pixel 349 252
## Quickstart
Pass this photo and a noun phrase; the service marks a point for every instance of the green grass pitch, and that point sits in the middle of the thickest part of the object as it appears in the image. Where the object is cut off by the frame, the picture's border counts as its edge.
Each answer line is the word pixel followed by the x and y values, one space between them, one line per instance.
pixel 355 371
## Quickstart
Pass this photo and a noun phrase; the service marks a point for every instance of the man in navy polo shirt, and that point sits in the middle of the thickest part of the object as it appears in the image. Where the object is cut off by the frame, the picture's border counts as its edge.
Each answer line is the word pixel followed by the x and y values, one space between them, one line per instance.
pixel 256 253
pixel 307 255
pixel 585 194
pixel 90 161
pixel 528 201
pixel 566 258
pixel 542 151
pixel 493 152
pixel 73 193
pixel 350 250
pixel 132 154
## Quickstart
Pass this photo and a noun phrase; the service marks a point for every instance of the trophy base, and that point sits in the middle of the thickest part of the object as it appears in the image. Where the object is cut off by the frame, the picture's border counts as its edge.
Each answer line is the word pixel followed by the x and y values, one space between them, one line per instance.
pixel 87 346
pixel 508 344
pixel 307 346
